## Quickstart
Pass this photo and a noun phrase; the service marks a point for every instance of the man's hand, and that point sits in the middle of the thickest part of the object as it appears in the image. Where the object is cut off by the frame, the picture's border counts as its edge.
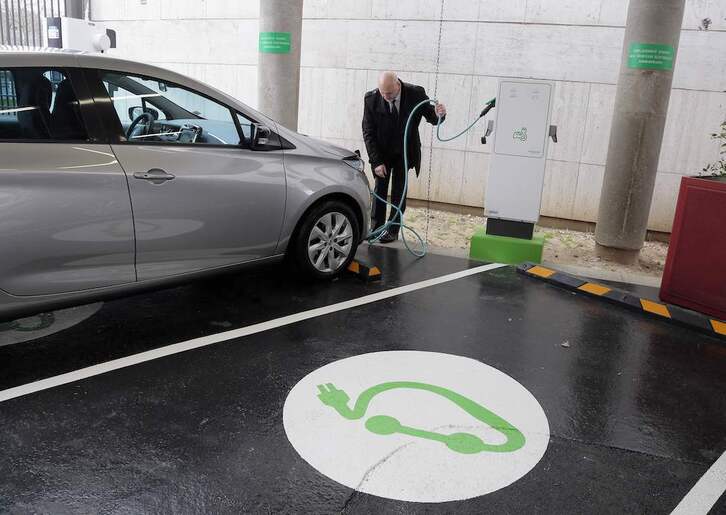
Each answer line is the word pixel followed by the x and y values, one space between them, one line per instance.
pixel 380 171
pixel 440 110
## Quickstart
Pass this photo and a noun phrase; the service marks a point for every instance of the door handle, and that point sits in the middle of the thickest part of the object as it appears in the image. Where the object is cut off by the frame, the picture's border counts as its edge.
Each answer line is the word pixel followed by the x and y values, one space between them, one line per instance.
pixel 155 175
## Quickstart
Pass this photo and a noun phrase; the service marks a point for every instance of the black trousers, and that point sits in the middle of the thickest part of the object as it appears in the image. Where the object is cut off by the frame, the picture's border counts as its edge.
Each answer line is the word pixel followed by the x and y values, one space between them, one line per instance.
pixel 397 175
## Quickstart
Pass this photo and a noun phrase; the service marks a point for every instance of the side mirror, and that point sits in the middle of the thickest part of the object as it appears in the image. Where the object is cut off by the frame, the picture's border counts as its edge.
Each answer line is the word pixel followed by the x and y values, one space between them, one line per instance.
pixel 260 135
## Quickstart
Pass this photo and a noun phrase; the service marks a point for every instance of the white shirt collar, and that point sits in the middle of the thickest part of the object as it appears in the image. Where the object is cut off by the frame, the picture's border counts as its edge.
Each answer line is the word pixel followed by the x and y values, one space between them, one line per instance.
pixel 397 100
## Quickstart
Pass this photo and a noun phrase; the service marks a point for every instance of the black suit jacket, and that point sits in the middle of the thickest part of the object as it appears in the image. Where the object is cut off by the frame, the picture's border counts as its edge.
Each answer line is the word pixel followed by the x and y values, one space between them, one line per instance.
pixel 380 129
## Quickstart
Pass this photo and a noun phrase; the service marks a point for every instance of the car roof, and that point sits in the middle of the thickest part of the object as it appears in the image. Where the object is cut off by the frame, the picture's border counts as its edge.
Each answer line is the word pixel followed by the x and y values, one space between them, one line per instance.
pixel 29 56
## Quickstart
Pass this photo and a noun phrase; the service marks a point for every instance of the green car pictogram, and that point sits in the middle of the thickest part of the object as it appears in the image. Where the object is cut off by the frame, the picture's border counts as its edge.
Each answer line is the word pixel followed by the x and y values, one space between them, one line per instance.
pixel 520 134
pixel 465 443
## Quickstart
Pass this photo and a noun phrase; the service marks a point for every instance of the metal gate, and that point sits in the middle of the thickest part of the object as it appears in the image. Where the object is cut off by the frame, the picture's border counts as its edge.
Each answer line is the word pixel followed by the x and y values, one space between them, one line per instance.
pixel 7 94
pixel 21 21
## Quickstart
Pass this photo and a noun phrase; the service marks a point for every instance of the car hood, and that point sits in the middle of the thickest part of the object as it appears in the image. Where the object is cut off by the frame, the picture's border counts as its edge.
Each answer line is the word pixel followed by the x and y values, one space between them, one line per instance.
pixel 314 146
pixel 329 148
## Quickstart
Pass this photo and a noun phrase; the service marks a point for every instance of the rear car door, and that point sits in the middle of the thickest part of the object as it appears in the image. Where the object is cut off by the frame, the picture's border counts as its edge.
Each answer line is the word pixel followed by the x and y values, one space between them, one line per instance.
pixel 65 212
pixel 202 197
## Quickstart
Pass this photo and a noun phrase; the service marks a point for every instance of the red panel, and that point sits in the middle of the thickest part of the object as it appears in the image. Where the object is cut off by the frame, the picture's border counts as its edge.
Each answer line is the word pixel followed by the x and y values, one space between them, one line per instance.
pixel 695 270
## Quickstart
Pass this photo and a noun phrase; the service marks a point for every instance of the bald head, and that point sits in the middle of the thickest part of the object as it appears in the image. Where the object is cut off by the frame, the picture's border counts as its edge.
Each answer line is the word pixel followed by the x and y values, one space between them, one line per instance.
pixel 389 85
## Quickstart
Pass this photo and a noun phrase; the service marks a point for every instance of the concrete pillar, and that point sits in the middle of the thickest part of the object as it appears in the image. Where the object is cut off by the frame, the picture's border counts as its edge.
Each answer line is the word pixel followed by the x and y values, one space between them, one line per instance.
pixel 641 105
pixel 75 9
pixel 278 71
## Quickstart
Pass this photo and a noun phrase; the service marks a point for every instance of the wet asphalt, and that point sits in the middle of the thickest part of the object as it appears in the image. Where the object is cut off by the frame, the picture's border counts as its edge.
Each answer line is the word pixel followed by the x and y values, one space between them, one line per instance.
pixel 636 406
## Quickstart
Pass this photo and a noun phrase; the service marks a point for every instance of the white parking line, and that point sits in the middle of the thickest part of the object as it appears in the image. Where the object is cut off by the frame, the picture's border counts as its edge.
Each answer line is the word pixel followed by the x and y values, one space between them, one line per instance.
pixel 203 341
pixel 706 491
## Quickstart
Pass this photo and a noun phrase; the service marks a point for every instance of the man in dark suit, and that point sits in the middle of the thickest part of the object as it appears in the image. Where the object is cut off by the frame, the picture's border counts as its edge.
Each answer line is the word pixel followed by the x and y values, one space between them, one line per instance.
pixel 386 110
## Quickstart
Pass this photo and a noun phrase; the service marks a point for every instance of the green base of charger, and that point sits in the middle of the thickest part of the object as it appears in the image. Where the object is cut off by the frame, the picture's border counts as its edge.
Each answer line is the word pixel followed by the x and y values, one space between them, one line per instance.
pixel 501 249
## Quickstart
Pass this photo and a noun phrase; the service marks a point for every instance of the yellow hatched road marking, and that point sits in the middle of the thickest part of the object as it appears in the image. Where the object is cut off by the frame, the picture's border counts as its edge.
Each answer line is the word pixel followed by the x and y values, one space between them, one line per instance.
pixel 541 271
pixel 719 327
pixel 655 307
pixel 595 289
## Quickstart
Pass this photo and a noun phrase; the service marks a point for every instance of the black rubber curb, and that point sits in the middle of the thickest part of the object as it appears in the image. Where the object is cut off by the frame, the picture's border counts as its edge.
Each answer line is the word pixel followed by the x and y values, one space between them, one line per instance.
pixel 649 307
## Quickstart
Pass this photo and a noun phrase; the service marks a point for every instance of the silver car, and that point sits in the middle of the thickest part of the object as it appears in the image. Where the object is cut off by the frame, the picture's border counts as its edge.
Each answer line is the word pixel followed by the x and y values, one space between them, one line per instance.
pixel 117 176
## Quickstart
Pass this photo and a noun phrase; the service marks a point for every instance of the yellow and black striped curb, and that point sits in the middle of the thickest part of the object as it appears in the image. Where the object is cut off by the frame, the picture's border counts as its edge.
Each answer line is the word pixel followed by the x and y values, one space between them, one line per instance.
pixel 669 312
pixel 364 271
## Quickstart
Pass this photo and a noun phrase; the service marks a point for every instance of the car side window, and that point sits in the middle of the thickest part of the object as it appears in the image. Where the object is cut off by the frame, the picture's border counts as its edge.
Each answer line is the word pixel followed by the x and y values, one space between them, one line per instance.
pixel 122 100
pixel 39 104
pixel 152 110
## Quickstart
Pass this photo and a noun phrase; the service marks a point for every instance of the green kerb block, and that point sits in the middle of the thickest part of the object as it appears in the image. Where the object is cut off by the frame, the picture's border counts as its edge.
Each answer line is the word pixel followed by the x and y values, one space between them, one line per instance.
pixel 500 249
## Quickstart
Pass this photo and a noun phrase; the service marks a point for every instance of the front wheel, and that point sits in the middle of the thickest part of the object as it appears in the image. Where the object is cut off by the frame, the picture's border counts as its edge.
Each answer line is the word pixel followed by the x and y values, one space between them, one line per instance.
pixel 327 240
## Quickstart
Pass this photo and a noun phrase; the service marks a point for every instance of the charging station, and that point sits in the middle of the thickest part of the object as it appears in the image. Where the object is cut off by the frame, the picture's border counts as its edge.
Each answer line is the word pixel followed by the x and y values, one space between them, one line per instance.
pixel 77 34
pixel 516 177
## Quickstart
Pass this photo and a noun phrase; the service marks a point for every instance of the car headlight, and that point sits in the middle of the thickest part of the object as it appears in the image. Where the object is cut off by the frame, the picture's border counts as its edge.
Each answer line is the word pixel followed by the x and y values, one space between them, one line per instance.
pixel 356 163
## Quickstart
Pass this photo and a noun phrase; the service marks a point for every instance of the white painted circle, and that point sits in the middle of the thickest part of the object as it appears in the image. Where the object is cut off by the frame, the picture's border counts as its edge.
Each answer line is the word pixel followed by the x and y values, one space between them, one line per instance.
pixel 402 466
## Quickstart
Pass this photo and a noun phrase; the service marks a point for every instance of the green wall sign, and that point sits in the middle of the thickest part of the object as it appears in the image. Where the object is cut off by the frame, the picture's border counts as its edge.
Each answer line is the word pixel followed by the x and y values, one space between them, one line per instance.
pixel 648 56
pixel 275 42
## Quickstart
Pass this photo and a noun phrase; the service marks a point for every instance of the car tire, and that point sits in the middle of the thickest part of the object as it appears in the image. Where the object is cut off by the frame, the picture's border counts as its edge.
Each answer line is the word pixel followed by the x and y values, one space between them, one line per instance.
pixel 326 241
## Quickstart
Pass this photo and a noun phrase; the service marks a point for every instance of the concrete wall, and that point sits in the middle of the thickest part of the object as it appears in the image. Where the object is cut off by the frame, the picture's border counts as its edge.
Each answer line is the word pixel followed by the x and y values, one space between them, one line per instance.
pixel 576 43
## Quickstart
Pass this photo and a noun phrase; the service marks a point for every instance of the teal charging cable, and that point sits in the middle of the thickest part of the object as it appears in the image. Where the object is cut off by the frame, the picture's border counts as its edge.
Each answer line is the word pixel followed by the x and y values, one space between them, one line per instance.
pixel 397 221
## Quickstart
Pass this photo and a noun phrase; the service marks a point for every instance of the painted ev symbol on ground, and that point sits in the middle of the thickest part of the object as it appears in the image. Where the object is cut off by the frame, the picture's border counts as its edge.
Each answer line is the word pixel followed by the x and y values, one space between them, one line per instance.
pixel 437 427
pixel 465 443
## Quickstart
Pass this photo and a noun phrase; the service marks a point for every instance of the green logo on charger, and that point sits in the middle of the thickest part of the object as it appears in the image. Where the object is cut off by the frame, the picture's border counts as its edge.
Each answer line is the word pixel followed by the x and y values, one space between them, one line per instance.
pixel 464 443
pixel 520 134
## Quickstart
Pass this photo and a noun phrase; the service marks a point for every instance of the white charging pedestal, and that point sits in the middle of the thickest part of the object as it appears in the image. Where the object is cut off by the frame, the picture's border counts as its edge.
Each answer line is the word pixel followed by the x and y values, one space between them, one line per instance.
pixel 516 175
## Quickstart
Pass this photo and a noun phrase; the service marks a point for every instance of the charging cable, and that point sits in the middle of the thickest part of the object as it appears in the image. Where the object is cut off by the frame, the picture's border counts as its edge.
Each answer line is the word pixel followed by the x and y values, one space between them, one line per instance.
pixel 397 220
